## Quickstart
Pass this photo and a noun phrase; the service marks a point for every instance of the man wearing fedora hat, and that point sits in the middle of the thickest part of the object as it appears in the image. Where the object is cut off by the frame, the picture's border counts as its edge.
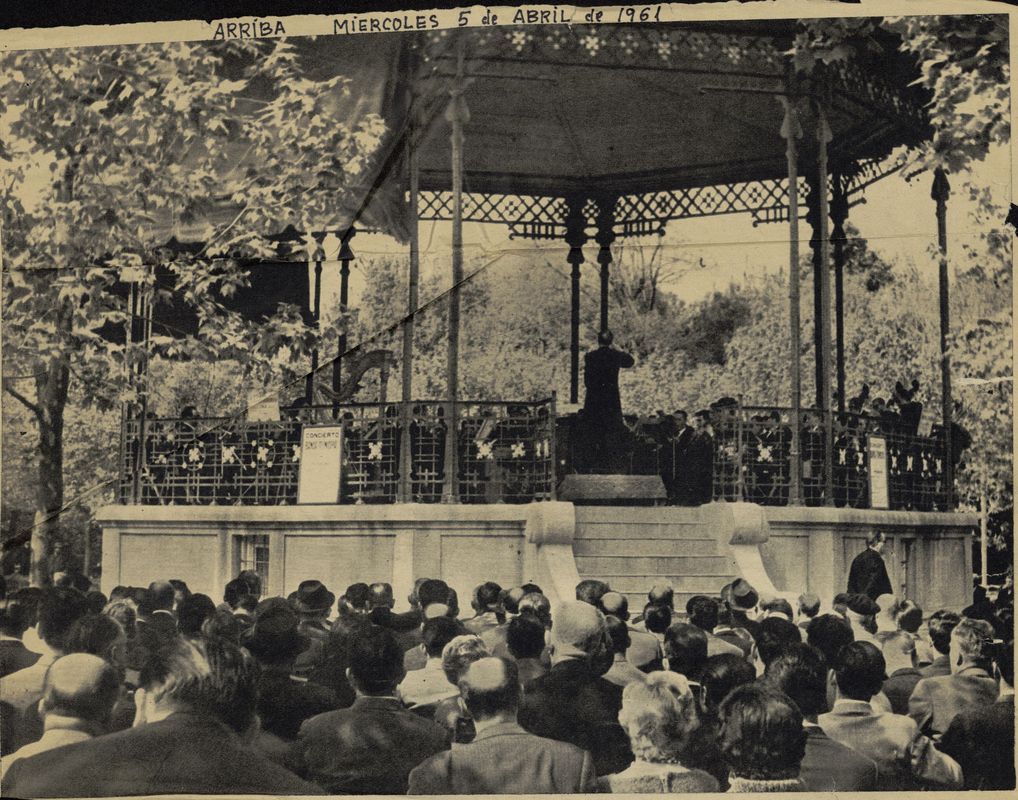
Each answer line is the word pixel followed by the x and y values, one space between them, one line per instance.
pixel 742 600
pixel 312 601
pixel 284 702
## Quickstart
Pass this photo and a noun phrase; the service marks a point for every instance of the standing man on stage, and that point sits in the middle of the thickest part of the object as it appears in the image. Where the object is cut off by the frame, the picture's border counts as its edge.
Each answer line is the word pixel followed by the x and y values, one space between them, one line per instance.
pixel 602 407
pixel 700 460
pixel 868 574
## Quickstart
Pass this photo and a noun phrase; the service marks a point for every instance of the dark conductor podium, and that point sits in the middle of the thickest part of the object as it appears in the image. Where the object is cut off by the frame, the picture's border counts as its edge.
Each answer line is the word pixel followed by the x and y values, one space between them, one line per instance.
pixel 613 490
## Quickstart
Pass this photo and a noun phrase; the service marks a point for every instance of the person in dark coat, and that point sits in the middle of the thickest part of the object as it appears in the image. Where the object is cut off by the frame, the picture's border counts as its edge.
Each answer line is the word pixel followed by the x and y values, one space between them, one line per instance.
pixel 195 699
pixel 573 702
pixel 371 747
pixel 828 766
pixel 601 380
pixel 14 655
pixel 503 758
pixel 902 676
pixel 981 739
pixel 700 460
pixel 868 573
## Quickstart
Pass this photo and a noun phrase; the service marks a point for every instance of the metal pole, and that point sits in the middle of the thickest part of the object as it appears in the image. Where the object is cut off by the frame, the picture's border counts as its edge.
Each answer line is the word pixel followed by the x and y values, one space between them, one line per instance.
pixel 839 213
pixel 316 309
pixel 457 114
pixel 576 236
pixel 940 192
pixel 406 453
pixel 604 237
pixel 791 130
pixel 984 532
pixel 345 257
pixel 824 320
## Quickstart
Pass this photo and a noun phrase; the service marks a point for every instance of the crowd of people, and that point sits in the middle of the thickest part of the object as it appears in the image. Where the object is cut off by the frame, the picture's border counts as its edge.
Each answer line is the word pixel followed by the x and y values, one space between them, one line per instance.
pixel 158 690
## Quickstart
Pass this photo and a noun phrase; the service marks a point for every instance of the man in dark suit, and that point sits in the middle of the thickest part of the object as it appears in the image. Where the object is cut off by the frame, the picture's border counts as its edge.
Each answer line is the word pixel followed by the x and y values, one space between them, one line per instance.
pixel 681 487
pixel 194 700
pixel 573 702
pixel 868 573
pixel 700 460
pixel 981 739
pixel 937 701
pixel 601 380
pixel 371 747
pixel 940 626
pixel 503 758
pixel 828 766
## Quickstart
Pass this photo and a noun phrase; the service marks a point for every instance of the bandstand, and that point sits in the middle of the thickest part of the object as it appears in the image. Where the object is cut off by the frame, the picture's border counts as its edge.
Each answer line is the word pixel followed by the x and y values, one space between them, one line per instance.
pixel 585 135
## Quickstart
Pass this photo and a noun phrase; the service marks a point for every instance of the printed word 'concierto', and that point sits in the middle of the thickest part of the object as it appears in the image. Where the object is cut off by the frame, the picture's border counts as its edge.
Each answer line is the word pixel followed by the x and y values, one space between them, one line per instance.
pixel 249 29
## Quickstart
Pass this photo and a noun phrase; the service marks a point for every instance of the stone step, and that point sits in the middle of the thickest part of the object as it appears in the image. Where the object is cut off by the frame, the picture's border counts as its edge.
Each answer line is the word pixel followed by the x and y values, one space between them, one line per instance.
pixel 684 584
pixel 641 530
pixel 641 566
pixel 623 514
pixel 664 547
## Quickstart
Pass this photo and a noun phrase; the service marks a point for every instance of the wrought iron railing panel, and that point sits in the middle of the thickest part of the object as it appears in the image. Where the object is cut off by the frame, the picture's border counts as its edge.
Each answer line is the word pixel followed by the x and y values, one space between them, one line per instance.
pixel 506 454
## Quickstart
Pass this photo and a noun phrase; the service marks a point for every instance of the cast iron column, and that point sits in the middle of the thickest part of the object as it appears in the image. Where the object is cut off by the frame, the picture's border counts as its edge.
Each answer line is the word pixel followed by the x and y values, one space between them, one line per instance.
pixel 576 236
pixel 839 214
pixel 940 192
pixel 345 257
pixel 316 313
pixel 604 237
pixel 405 452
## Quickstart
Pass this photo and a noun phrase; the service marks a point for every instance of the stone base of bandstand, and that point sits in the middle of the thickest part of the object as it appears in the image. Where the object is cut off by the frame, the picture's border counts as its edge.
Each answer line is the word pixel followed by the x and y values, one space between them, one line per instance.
pixel 785 550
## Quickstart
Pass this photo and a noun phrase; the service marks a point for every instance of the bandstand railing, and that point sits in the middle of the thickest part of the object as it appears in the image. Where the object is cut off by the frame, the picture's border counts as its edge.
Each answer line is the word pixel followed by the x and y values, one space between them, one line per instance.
pixel 506 454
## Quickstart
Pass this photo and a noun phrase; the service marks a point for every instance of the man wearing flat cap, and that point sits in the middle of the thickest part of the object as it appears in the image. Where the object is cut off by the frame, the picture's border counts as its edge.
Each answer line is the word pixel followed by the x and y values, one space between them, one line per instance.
pixel 503 758
pixel 573 702
pixel 868 573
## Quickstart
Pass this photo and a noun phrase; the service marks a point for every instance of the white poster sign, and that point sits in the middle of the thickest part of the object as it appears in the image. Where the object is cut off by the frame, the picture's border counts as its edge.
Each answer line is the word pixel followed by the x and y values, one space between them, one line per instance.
pixel 321 459
pixel 877 446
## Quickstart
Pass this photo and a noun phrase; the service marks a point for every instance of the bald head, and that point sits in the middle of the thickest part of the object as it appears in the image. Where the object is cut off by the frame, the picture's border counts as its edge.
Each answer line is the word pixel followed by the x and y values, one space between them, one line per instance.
pixel 615 605
pixel 490 688
pixel 578 630
pixel 161 595
pixel 81 686
pixel 662 594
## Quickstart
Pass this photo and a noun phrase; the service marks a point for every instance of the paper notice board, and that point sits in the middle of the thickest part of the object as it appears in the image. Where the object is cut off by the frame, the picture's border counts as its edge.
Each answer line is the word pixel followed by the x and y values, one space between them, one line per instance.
pixel 878 471
pixel 321 462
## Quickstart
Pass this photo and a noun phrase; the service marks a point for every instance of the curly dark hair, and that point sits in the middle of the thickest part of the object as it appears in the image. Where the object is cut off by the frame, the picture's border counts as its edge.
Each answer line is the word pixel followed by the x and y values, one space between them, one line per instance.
pixel 761 734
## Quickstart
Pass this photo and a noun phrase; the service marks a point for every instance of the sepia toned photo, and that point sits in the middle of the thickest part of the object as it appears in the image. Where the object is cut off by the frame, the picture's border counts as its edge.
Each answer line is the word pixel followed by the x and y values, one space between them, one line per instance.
pixel 508 400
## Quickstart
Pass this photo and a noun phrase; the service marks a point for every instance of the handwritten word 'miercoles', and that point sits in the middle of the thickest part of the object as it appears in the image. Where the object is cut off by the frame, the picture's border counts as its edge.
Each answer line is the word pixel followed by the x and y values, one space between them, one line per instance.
pixel 388 24
pixel 251 29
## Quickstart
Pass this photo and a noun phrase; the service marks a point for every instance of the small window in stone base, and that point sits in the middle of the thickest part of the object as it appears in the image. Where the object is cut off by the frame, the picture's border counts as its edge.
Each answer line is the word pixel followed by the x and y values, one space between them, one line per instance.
pixel 253 554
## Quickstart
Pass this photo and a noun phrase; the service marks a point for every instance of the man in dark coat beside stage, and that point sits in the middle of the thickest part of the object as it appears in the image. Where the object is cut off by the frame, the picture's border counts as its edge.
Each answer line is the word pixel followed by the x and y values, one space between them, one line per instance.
pixel 868 574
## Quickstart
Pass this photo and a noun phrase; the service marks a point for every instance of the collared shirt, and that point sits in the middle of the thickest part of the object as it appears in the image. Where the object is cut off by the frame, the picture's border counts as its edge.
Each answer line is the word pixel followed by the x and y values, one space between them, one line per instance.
pixel 426 686
pixel 59 731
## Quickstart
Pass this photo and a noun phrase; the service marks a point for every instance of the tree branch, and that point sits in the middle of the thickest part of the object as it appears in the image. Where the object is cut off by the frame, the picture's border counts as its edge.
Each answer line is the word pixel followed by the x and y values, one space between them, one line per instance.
pixel 22 399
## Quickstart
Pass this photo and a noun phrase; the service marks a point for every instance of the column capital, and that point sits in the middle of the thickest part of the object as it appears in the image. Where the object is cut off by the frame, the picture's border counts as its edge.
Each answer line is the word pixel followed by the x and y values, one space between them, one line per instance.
pixel 345 251
pixel 941 188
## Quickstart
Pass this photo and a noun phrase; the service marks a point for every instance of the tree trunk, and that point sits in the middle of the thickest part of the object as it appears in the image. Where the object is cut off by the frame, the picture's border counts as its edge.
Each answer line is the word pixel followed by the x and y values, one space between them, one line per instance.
pixel 51 399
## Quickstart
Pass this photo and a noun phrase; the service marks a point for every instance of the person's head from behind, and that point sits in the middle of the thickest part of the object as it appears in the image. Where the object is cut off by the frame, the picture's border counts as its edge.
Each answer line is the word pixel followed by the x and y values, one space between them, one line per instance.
pixel 777 607
pixel 761 735
pixel 591 591
pixel 15 618
pixel 208 676
pixel 356 596
pixel 907 616
pixel 828 633
pixel 1003 660
pixel 161 595
pixel 82 687
pixel 525 637
pixel 721 674
pixel 657 619
pixel 24 606
pixel 875 540
pixel 376 662
pixel 96 602
pixel 486 597
pixel 702 612
pixel 490 689
pixel 941 624
pixel 659 716
pixel 380 595
pixel 661 594
pixel 801 673
pixel 538 606
pixel 686 650
pixel 432 592
pixel 223 625
pixel 459 654
pixel 123 612
pixel 61 607
pixel 579 632
pixel 98 635
pixel 192 612
pixel 971 644
pixel 898 648
pixel 180 592
pixel 253 581
pixel 775 634
pixel 238 596
pixel 618 635
pixel 615 605
pixel 860 671
pixel 72 580
pixel 437 633
pixel 809 605
pixel 605 338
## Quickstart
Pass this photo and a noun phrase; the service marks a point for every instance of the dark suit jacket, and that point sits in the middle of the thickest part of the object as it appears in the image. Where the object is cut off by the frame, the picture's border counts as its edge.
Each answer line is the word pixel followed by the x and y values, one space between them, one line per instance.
pixel 937 701
pixel 829 766
pixel 14 656
pixel 899 686
pixel 941 666
pixel 505 759
pixel 868 575
pixel 601 380
pixel 284 702
pixel 183 754
pixel 981 740
pixel 572 704
pixel 368 748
